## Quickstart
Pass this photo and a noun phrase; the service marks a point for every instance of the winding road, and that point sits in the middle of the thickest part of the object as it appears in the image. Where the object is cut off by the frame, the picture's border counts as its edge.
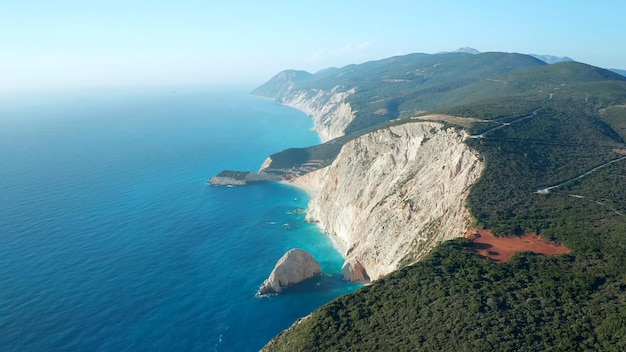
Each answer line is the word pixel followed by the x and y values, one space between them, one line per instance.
pixel 546 190
pixel 505 124
pixel 521 118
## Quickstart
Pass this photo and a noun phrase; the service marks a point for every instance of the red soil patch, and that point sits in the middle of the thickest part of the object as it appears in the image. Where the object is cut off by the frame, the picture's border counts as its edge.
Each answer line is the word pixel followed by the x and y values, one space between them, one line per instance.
pixel 501 249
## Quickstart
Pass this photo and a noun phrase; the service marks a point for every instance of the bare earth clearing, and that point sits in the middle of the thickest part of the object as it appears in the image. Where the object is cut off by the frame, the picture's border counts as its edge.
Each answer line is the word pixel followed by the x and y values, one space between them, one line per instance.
pixel 501 249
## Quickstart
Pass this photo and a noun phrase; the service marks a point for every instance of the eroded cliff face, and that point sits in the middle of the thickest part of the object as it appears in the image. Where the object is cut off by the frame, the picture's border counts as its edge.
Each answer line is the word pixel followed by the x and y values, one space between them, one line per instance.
pixel 393 194
pixel 330 113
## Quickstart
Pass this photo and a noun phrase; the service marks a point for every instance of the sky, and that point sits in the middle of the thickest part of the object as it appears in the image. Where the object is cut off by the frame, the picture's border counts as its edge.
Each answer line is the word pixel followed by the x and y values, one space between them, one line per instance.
pixel 61 44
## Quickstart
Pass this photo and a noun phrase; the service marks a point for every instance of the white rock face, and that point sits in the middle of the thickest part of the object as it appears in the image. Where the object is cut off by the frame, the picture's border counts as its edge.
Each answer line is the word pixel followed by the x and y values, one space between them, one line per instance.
pixel 392 195
pixel 295 266
pixel 328 109
pixel 266 163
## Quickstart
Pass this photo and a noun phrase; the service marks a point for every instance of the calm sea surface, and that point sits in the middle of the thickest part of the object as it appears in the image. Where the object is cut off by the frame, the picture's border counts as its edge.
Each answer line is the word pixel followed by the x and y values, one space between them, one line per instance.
pixel 110 239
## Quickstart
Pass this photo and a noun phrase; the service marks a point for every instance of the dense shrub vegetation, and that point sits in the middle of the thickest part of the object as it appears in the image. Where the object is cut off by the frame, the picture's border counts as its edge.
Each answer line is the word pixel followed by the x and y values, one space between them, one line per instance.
pixel 457 301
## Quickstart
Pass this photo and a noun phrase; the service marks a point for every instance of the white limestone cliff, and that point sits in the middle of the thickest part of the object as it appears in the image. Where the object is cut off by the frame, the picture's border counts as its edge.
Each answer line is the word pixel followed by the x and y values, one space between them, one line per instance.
pixel 393 194
pixel 329 110
pixel 293 267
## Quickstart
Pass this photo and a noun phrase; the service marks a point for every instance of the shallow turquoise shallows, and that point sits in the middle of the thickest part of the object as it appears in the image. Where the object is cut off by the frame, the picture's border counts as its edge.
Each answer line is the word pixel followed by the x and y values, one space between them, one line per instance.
pixel 110 239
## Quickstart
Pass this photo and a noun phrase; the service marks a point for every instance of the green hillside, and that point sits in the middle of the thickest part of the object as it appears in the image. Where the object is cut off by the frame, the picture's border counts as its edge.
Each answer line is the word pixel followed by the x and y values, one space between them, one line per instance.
pixel 560 126
pixel 401 85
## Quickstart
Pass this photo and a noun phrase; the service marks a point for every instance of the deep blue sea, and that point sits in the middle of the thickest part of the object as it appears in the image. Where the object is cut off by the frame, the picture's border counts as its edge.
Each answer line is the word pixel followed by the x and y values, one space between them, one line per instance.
pixel 110 239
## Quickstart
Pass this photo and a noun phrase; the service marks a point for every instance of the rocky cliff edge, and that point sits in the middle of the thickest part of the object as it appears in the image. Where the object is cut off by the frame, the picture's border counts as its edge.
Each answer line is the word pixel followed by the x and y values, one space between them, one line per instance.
pixel 329 110
pixel 393 194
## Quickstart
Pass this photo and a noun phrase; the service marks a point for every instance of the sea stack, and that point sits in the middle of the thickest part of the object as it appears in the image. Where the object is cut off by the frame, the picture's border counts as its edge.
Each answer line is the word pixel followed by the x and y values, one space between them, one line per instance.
pixel 295 266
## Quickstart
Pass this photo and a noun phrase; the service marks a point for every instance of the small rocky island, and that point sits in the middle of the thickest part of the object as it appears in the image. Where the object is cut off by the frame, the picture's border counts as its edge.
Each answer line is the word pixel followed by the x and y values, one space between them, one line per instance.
pixel 295 266
pixel 241 178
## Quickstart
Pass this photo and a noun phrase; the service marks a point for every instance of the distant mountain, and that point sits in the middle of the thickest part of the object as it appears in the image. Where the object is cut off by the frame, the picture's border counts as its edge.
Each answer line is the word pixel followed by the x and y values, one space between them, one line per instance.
pixel 551 59
pixel 466 50
pixel 621 72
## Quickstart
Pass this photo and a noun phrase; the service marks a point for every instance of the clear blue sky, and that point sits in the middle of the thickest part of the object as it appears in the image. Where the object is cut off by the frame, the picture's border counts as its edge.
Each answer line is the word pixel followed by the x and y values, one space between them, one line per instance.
pixel 81 43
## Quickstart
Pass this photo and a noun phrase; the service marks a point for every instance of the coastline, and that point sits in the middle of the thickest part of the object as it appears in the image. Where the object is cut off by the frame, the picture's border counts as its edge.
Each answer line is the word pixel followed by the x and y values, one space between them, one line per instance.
pixel 370 214
pixel 310 183
pixel 312 192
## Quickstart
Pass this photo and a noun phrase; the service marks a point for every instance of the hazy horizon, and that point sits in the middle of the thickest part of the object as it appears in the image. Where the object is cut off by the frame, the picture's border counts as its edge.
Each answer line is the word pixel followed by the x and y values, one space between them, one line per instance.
pixel 74 45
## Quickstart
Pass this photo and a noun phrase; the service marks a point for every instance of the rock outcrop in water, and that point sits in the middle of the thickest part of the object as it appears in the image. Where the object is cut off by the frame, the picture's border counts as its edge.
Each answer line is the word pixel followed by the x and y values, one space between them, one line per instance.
pixel 295 266
pixel 393 194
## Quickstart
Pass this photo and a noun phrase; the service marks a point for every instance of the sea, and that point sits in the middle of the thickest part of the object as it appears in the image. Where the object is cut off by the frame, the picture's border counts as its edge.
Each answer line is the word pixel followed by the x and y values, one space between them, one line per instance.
pixel 111 239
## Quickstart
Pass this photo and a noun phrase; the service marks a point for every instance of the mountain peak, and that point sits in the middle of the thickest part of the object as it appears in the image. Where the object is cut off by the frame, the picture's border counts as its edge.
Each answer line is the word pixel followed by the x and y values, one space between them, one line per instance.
pixel 466 50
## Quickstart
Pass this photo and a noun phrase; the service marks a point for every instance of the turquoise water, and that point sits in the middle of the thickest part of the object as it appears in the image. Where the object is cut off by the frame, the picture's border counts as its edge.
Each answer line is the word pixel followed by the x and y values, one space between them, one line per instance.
pixel 110 240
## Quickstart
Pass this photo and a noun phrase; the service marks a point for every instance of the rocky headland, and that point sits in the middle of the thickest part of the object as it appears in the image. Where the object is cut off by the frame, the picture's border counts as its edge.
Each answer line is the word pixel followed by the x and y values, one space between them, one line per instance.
pixel 391 195
pixel 241 178
pixel 401 177
pixel 328 108
pixel 330 112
